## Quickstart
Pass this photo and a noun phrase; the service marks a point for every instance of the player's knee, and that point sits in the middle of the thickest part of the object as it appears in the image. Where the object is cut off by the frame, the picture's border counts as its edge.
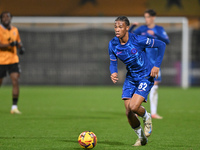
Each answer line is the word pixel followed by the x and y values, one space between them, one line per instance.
pixel 155 88
pixel 15 81
pixel 134 108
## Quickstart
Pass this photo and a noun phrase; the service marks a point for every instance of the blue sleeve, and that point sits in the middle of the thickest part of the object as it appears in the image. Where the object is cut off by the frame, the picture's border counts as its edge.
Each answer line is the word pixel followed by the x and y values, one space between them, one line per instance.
pixel 131 28
pixel 162 35
pixel 137 31
pixel 113 60
pixel 146 42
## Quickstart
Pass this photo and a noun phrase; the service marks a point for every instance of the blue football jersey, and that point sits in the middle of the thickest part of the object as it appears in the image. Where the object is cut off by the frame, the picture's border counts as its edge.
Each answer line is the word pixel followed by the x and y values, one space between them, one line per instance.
pixel 133 55
pixel 159 33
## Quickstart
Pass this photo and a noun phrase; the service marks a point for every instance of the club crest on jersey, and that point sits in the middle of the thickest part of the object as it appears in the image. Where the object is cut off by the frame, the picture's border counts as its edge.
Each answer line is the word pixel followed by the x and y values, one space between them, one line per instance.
pixel 134 51
pixel 148 42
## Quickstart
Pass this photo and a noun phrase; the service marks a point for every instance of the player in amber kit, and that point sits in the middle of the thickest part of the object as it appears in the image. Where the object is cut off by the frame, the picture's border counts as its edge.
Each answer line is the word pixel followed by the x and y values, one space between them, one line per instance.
pixel 9 61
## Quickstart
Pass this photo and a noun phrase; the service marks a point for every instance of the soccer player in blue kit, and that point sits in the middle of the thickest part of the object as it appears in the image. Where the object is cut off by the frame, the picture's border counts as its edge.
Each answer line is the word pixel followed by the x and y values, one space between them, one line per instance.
pixel 152 30
pixel 130 49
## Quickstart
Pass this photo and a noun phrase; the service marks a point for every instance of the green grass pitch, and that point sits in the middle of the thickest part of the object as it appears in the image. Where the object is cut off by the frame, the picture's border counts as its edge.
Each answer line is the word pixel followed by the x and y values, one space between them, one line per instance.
pixel 53 118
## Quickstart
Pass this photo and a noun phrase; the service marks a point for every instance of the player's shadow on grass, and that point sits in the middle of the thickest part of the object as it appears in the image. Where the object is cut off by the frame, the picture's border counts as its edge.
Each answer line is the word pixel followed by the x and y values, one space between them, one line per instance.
pixel 99 142
pixel 111 143
pixel 112 113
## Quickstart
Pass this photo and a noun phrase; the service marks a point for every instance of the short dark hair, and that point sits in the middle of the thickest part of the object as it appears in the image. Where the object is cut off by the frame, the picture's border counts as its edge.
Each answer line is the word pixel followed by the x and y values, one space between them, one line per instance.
pixel 123 18
pixel 151 12
pixel 5 12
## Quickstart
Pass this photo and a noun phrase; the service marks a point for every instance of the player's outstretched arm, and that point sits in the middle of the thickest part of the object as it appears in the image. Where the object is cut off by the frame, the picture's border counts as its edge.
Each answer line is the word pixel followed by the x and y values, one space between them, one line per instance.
pixel 133 26
pixel 15 43
pixel 162 35
pixel 21 48
pixel 164 39
pixel 154 43
pixel 161 50
pixel 113 71
pixel 113 64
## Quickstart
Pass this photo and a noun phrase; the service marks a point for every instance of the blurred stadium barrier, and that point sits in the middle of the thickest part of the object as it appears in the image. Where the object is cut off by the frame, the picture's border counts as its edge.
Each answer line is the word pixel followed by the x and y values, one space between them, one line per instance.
pixel 74 50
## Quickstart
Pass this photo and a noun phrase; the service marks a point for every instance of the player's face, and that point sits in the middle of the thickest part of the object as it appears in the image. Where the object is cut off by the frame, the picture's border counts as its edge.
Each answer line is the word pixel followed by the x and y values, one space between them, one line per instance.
pixel 6 19
pixel 149 19
pixel 120 29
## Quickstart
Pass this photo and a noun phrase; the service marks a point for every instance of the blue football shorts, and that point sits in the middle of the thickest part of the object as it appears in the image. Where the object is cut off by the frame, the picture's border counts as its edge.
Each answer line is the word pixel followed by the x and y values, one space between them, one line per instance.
pixel 141 87
pixel 159 79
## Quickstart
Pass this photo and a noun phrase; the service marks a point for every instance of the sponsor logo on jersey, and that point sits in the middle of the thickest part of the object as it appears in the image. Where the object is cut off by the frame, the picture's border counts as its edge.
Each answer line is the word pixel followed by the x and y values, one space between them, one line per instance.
pixel 119 53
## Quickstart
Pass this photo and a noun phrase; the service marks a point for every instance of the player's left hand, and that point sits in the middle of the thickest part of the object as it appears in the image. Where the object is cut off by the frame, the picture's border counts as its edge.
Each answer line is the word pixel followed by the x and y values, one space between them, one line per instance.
pixel 135 23
pixel 154 72
pixel 151 32
pixel 21 50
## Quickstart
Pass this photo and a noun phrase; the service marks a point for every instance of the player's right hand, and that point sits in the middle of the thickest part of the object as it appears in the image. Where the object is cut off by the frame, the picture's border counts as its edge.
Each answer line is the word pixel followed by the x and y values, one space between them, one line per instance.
pixel 15 43
pixel 114 77
pixel 151 32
